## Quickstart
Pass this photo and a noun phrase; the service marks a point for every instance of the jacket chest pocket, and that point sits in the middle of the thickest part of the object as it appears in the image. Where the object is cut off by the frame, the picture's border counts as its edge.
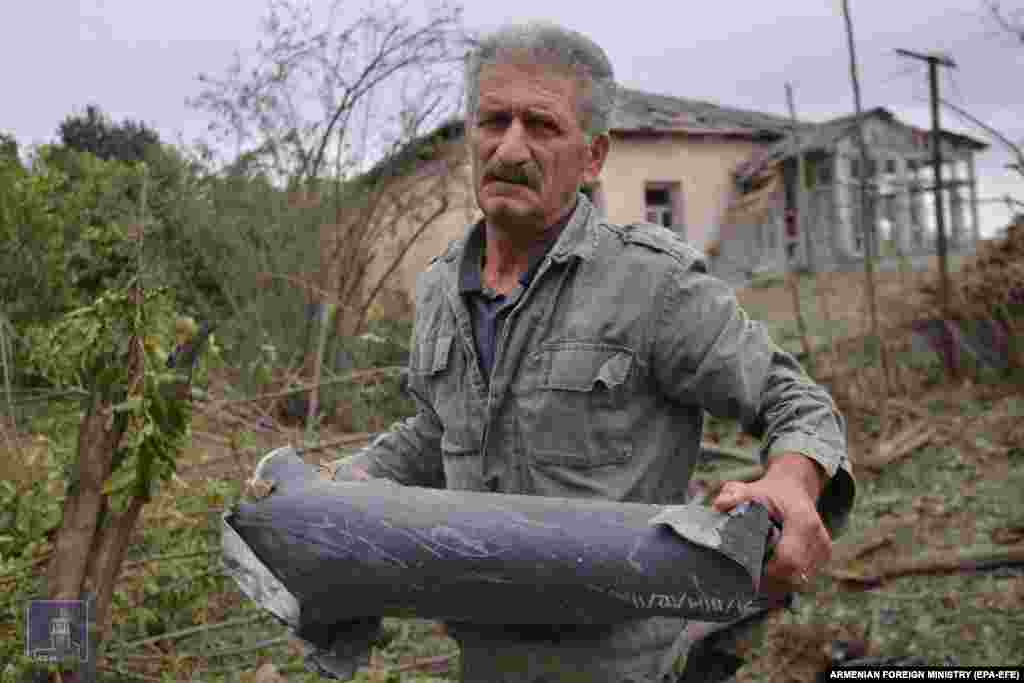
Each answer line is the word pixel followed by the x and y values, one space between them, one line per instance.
pixel 441 369
pixel 573 405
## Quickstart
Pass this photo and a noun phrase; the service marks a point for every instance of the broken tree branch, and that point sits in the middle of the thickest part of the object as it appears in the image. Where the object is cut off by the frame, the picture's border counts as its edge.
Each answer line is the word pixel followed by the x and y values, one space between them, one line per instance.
pixel 435 665
pixel 261 645
pixel 900 446
pixel 192 630
pixel 347 440
pixel 847 550
pixel 354 377
pixel 939 562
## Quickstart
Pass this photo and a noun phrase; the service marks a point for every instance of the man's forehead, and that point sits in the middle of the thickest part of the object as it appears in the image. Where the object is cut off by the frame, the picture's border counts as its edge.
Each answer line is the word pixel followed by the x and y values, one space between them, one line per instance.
pixel 506 83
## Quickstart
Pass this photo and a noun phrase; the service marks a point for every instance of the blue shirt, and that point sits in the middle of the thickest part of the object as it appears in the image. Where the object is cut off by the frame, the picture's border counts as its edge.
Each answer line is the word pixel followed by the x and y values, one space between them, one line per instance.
pixel 488 308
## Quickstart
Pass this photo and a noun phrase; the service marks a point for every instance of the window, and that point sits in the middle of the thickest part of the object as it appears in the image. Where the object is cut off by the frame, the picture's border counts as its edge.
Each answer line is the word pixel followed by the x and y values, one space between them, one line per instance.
pixel 874 208
pixel 658 196
pixel 890 165
pixel 825 172
pixel 663 205
pixel 871 166
pixel 917 227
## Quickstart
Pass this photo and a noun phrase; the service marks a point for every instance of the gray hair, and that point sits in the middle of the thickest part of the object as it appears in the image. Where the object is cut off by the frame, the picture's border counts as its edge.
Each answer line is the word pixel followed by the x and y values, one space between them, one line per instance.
pixel 549 44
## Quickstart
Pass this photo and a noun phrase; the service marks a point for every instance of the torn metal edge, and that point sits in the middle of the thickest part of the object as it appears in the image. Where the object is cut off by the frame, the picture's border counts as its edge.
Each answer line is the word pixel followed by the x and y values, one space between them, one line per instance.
pixel 254 578
pixel 703 526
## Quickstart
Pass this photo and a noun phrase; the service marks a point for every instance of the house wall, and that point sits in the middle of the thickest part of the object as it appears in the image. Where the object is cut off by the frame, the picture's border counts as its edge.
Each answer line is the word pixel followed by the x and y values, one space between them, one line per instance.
pixel 451 225
pixel 703 167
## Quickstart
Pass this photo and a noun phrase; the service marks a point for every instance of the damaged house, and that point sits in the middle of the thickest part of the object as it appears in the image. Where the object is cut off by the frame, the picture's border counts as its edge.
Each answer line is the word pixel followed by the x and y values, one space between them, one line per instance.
pixel 759 230
pixel 724 179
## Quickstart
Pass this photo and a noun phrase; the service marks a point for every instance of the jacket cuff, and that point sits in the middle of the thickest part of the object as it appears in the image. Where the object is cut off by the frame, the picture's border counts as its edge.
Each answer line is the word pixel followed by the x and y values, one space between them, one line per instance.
pixel 836 499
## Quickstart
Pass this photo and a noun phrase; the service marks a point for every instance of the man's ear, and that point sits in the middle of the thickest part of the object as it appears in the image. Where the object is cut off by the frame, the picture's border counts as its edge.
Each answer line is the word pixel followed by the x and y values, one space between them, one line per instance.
pixel 597 153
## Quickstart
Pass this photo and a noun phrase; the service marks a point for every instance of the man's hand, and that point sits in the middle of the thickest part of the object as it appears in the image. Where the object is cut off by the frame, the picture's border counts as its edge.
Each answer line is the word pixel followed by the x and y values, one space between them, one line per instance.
pixel 789 489
pixel 347 470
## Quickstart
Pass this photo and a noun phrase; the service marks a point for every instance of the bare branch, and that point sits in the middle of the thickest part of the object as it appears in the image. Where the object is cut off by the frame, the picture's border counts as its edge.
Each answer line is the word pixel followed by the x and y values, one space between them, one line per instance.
pixel 1014 28
pixel 1013 148
pixel 301 68
pixel 441 209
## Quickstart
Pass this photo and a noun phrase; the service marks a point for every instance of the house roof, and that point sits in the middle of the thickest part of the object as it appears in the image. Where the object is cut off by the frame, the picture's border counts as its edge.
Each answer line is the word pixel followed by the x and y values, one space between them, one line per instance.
pixel 643 112
pixel 822 136
pixel 420 149
pixel 639 112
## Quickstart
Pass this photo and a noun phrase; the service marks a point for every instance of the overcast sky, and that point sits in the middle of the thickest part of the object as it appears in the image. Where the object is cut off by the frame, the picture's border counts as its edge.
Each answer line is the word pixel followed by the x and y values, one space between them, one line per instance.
pixel 140 59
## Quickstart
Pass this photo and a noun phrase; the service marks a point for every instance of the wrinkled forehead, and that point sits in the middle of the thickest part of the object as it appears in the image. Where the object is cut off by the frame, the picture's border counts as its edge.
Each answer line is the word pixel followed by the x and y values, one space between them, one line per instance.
pixel 524 77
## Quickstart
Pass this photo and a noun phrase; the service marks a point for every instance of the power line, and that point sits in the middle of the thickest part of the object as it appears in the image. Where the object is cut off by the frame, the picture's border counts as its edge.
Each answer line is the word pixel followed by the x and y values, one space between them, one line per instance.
pixel 956 85
pixel 899 74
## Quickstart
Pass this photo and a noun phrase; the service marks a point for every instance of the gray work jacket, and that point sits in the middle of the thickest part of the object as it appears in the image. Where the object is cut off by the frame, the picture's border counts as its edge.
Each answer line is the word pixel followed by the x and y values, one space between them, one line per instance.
pixel 602 374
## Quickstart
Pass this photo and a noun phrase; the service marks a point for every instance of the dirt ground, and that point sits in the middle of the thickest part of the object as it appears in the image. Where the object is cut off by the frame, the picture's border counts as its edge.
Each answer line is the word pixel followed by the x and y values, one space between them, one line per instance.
pixel 838 301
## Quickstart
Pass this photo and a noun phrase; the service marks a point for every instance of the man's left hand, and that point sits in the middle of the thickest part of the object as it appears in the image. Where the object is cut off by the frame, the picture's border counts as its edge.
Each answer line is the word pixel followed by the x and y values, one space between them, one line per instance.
pixel 789 490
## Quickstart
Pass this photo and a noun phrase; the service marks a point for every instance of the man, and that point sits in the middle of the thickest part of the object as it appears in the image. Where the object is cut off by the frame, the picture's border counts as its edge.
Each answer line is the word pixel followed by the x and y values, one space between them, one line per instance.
pixel 556 354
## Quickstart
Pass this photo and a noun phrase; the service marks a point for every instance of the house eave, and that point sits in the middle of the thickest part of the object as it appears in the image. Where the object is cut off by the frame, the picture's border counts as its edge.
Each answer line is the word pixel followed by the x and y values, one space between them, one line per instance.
pixel 692 132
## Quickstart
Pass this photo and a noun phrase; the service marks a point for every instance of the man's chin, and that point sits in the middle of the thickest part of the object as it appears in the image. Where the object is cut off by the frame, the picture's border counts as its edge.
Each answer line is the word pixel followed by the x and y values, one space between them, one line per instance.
pixel 503 211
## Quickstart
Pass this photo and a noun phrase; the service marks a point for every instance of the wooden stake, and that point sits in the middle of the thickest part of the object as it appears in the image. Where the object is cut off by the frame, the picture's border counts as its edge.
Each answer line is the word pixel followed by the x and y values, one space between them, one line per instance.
pixel 867 228
pixel 792 276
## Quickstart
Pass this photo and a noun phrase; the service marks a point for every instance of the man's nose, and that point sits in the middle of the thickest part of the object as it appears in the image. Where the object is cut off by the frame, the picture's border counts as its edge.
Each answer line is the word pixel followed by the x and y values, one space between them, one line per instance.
pixel 513 148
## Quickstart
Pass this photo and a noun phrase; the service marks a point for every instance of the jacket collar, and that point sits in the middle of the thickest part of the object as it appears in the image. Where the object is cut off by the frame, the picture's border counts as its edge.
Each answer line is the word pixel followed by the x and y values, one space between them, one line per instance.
pixel 578 238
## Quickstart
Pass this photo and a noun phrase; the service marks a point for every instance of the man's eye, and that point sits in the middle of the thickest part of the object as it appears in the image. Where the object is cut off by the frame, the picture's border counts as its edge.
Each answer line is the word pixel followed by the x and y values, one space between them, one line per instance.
pixel 543 125
pixel 493 121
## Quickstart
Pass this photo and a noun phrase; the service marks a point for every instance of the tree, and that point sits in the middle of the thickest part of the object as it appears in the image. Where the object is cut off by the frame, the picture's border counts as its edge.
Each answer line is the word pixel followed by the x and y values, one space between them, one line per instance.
pixel 61 240
pixel 309 113
pixel 9 148
pixel 93 131
pixel 96 322
pixel 303 106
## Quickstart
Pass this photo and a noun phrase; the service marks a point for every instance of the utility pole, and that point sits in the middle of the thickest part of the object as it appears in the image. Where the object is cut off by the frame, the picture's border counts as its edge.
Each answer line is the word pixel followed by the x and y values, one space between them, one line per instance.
pixel 800 225
pixel 868 227
pixel 940 223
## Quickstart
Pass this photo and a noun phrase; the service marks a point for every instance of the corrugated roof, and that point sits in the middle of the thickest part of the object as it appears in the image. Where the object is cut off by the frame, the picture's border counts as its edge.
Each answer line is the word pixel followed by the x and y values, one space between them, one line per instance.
pixel 639 111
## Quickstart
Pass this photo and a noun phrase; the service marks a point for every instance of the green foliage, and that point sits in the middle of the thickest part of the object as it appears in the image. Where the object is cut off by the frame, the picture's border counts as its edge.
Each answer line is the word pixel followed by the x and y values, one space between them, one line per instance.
pixel 92 131
pixel 63 231
pixel 91 348
pixel 66 221
pixel 9 147
pixel 27 513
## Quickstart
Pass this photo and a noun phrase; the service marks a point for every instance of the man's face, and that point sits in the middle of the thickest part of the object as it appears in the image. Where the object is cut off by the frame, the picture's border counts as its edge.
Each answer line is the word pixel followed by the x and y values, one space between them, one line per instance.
pixel 529 152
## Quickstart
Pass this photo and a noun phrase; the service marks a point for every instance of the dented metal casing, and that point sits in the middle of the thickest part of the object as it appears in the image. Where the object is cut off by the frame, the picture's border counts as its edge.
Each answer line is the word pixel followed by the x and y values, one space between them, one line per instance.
pixel 320 554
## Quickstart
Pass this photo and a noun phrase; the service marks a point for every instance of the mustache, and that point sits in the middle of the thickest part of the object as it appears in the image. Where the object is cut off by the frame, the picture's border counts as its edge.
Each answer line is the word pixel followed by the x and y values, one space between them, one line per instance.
pixel 517 174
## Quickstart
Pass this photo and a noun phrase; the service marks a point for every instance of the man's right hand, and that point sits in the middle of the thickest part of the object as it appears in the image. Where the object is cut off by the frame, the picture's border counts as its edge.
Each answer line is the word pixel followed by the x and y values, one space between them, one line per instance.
pixel 342 470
